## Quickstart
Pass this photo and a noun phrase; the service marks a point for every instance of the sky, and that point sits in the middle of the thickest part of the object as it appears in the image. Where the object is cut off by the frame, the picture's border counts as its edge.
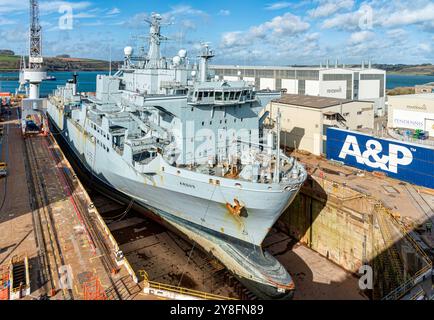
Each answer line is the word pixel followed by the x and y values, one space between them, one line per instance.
pixel 241 32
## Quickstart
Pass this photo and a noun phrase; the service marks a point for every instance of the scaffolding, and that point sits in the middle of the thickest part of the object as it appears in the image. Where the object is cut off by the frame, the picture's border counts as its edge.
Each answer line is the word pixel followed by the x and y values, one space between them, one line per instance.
pixel 93 290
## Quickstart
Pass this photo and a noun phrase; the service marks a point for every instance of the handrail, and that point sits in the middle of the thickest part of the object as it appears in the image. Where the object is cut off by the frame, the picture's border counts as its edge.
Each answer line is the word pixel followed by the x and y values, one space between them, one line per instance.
pixel 190 292
pixel 417 294
pixel 400 291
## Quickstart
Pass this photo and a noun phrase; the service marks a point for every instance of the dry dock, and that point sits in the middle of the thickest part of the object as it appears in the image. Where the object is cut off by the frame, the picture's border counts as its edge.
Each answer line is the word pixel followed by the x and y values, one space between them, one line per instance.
pixel 45 216
pixel 341 220
pixel 357 219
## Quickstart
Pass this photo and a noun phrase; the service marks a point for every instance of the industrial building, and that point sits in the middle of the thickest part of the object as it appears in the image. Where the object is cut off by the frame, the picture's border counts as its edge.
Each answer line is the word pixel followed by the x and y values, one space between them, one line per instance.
pixel 425 88
pixel 365 84
pixel 305 119
pixel 414 111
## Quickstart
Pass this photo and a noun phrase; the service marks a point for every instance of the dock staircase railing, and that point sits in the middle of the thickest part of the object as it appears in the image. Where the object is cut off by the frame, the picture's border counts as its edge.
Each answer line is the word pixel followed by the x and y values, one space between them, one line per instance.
pixel 420 275
pixel 156 288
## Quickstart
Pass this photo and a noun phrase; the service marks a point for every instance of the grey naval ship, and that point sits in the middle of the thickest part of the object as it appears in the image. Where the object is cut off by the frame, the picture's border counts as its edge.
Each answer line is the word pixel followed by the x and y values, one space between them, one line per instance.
pixel 186 145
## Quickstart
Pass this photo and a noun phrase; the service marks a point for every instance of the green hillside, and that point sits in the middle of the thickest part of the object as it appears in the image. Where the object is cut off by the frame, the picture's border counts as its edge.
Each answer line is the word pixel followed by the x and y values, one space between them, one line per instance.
pixel 12 63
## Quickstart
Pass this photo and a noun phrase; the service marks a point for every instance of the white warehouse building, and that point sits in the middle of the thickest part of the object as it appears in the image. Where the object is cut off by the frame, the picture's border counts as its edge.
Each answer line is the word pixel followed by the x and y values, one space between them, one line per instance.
pixel 365 84
pixel 413 111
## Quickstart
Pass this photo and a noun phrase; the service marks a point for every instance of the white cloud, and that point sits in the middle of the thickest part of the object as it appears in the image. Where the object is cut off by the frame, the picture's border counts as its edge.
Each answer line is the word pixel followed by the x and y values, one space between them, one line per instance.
pixel 113 12
pixel 361 36
pixel 93 24
pixel 426 47
pixel 7 6
pixel 409 16
pixel 224 12
pixel 285 25
pixel 84 15
pixel 396 33
pixel 277 28
pixel 233 38
pixel 278 5
pixel 5 21
pixel 274 40
pixel 183 10
pixel 329 7
pixel 362 18
pixel 47 7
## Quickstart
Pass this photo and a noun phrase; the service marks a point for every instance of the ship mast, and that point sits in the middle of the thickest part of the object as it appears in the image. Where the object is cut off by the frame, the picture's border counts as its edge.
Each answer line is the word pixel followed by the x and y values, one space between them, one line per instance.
pixel 205 56
pixel 154 53
pixel 277 167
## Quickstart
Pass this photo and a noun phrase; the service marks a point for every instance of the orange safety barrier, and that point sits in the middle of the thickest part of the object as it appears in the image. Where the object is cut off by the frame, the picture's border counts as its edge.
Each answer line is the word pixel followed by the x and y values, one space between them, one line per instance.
pixel 4 283
pixel 93 290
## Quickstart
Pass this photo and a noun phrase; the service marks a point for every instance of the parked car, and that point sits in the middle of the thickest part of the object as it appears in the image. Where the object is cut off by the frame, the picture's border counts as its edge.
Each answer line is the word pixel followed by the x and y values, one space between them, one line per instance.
pixel 3 169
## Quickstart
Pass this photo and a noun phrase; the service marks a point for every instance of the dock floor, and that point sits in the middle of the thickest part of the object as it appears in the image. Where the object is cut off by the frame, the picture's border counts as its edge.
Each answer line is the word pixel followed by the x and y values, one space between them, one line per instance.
pixel 41 216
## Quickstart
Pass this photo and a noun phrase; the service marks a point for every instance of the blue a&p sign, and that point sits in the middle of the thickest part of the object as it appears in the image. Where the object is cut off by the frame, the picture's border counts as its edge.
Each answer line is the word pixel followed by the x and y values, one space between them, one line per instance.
pixel 403 161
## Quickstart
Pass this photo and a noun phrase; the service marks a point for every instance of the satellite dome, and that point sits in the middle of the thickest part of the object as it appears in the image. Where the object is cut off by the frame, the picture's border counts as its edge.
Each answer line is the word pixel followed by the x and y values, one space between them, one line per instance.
pixel 176 60
pixel 182 53
pixel 128 51
pixel 193 73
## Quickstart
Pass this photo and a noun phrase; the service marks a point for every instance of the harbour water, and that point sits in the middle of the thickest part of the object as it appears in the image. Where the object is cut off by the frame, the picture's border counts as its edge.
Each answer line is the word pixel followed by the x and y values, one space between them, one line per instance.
pixel 87 83
pixel 397 80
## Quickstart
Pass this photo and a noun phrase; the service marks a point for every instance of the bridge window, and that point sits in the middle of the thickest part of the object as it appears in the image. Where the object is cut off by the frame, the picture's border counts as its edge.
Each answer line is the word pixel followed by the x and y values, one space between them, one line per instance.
pixel 218 96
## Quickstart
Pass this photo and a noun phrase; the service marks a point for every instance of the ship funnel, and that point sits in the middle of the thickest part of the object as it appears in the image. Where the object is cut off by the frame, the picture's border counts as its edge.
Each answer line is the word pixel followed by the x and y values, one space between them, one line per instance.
pixel 74 83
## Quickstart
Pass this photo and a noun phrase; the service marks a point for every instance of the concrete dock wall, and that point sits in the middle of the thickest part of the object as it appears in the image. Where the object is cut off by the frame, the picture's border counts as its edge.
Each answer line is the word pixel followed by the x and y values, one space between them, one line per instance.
pixel 352 229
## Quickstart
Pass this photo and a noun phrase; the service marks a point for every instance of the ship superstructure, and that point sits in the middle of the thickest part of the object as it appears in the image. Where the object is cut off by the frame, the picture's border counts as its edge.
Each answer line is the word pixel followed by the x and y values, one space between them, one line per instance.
pixel 169 136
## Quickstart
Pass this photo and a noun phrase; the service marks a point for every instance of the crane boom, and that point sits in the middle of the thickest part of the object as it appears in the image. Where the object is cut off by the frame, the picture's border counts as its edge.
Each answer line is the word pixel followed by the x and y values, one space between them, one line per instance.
pixel 35 54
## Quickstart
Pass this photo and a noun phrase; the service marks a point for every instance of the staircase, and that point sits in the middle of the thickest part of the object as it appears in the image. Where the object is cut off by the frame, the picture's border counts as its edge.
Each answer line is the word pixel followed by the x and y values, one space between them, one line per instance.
pixel 123 289
pixel 19 282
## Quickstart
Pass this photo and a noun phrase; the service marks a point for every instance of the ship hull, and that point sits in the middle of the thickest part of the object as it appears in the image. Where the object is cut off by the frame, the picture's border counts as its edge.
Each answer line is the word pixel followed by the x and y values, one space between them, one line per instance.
pixel 198 198
pixel 248 263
